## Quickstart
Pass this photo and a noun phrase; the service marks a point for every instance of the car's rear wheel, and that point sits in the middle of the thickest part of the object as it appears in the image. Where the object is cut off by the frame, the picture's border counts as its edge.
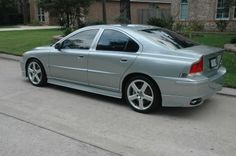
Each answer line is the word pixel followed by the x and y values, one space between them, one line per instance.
pixel 36 73
pixel 142 94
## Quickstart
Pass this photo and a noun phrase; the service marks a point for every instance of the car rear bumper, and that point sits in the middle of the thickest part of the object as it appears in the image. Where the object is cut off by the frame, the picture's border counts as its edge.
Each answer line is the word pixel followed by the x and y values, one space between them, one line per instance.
pixel 189 92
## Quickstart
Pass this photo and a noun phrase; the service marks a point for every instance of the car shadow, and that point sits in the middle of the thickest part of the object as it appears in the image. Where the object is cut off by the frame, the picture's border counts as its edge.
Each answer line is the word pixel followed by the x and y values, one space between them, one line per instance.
pixel 99 97
pixel 179 112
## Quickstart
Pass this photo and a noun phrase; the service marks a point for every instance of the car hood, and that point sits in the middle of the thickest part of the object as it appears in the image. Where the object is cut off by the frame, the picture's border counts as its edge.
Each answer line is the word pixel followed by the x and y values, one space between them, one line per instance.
pixel 44 48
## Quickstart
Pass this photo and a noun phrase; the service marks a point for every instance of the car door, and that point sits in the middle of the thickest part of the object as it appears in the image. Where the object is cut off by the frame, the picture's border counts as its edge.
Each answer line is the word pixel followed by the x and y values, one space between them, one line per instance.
pixel 112 56
pixel 70 62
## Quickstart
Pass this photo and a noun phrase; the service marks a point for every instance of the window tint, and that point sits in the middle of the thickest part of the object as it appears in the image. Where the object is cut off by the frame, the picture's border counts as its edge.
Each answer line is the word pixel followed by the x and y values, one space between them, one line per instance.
pixel 168 38
pixel 82 40
pixel 112 40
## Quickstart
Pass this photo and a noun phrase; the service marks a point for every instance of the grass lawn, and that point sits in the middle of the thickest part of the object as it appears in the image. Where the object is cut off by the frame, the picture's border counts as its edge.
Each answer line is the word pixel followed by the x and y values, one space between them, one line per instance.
pixel 17 42
pixel 214 39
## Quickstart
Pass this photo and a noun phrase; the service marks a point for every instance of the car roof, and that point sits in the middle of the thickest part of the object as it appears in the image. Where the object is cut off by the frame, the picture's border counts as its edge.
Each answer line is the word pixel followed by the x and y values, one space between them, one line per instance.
pixel 136 27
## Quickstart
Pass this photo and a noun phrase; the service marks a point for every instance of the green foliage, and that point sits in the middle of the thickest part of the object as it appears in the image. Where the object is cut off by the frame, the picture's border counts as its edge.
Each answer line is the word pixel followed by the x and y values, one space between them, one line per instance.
pixel 67 31
pixel 161 22
pixel 196 26
pixel 222 25
pixel 8 8
pixel 233 40
pixel 94 23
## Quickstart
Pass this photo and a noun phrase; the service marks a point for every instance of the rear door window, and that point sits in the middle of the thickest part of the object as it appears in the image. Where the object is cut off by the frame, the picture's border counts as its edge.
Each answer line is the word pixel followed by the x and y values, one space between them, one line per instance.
pixel 112 40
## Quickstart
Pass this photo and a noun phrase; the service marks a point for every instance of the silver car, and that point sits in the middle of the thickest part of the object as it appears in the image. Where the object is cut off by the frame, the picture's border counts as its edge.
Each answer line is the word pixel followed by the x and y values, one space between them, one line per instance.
pixel 148 66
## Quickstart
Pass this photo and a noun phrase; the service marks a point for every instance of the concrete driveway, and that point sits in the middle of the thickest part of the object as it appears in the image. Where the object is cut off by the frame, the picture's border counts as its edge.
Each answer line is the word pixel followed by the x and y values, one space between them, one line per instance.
pixel 59 121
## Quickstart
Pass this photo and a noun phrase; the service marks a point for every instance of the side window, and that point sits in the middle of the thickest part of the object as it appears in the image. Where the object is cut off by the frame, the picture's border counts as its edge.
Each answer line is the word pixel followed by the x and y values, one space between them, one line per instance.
pixel 82 40
pixel 112 40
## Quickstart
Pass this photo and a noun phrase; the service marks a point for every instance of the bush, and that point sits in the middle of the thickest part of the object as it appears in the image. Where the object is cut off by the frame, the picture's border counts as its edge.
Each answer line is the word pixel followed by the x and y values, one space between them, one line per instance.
pixel 67 31
pixel 94 23
pixel 222 25
pixel 233 40
pixel 196 26
pixel 161 22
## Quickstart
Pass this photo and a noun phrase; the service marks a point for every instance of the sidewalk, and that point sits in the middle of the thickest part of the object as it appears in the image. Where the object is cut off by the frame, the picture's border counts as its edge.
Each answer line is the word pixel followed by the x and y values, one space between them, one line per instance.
pixel 225 91
pixel 25 27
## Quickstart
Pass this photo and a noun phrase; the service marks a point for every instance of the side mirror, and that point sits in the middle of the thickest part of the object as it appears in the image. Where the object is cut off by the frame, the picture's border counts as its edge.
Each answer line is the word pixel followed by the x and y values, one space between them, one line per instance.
pixel 58 46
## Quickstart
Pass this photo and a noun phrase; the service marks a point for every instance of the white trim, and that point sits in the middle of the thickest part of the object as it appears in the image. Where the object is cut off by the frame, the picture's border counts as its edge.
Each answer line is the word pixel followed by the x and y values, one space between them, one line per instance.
pixel 234 10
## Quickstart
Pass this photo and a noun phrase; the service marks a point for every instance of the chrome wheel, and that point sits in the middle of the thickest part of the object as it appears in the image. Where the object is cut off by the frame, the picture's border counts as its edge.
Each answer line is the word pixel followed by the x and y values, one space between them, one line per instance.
pixel 140 95
pixel 35 73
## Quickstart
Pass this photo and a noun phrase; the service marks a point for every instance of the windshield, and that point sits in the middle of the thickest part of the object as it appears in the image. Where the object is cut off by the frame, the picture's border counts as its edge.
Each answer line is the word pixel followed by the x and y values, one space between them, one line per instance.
pixel 168 38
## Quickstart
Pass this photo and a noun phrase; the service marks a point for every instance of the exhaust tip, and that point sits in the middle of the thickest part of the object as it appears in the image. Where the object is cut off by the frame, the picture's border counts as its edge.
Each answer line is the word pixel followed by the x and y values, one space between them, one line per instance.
pixel 196 101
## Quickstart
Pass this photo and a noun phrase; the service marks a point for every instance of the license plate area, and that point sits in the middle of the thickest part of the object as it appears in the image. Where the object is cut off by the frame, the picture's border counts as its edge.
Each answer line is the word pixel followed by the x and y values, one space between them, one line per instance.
pixel 213 62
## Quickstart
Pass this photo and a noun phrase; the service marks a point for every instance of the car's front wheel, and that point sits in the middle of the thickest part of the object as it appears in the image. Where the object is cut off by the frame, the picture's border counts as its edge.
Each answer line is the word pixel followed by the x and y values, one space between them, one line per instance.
pixel 142 94
pixel 36 73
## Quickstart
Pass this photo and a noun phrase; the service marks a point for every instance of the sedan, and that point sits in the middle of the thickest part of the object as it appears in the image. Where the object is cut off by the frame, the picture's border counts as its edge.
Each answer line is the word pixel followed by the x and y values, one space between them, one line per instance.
pixel 147 66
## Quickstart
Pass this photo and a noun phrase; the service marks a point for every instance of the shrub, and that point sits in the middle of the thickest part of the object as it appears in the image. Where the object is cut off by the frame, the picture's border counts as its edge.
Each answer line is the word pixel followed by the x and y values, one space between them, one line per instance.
pixel 161 22
pixel 94 23
pixel 196 26
pixel 67 31
pixel 233 40
pixel 222 25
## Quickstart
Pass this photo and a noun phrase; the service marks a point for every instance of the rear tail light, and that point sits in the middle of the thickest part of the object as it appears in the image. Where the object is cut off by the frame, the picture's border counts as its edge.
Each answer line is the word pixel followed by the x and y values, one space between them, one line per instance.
pixel 197 67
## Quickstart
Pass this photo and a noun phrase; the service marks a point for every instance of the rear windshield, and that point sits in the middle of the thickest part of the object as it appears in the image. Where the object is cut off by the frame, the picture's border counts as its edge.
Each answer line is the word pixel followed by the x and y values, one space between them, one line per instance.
pixel 168 38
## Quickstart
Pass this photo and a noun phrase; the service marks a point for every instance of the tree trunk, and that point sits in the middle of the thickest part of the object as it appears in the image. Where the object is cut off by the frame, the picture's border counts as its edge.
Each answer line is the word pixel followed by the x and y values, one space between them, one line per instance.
pixel 25 11
pixel 125 11
pixel 104 13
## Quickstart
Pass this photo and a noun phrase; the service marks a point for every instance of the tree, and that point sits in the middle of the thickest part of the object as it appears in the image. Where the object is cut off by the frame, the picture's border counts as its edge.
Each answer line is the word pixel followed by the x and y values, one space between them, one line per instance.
pixel 104 13
pixel 25 10
pixel 125 17
pixel 7 9
pixel 70 11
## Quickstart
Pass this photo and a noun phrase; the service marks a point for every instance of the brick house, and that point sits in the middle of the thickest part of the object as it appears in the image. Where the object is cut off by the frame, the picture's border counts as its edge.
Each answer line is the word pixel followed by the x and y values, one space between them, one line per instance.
pixel 141 10
pixel 205 11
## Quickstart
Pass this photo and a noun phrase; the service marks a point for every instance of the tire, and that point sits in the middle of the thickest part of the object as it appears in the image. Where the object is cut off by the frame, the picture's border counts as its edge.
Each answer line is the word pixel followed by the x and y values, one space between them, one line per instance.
pixel 142 94
pixel 36 73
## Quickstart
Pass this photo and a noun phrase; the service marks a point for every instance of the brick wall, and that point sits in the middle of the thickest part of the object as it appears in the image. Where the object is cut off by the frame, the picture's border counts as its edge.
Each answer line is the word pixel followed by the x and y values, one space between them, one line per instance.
pixel 113 10
pixel 203 11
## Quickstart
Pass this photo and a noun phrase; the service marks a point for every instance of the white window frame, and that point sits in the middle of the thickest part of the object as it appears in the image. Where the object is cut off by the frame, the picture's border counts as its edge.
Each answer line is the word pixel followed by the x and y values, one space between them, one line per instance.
pixel 217 10
pixel 234 11
pixel 41 14
pixel 180 8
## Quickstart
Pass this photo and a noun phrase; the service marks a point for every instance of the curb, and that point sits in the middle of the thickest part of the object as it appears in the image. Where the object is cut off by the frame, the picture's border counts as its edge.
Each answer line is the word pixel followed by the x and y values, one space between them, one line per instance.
pixel 225 91
pixel 10 57
pixel 228 92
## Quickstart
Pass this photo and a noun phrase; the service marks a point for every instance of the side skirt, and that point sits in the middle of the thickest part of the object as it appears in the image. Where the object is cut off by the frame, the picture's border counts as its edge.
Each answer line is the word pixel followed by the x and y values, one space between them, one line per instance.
pixel 85 88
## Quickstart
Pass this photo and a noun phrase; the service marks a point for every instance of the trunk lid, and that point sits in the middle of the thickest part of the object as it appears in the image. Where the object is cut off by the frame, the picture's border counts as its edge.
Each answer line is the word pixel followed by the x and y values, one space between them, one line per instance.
pixel 212 57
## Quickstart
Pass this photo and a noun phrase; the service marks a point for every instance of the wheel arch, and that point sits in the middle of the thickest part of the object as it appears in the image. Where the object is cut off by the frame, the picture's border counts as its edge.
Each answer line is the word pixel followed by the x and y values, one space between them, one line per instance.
pixel 27 62
pixel 131 75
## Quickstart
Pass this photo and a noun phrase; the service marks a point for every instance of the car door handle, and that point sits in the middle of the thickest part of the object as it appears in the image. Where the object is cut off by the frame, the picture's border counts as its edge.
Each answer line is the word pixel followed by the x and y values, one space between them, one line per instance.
pixel 123 60
pixel 80 56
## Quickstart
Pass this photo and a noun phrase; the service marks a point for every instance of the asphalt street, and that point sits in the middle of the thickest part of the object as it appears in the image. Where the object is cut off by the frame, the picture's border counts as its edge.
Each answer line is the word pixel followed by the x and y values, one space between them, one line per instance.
pixel 59 121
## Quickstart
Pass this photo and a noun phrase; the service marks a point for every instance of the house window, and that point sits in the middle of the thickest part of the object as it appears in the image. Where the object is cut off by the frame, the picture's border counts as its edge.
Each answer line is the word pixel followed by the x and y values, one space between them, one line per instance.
pixel 41 15
pixel 222 9
pixel 184 10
